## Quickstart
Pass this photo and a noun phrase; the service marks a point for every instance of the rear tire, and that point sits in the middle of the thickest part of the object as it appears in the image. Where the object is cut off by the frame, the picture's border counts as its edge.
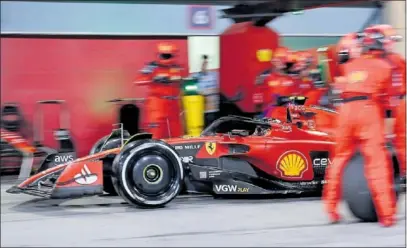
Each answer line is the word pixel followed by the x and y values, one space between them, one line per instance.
pixel 148 173
pixel 356 192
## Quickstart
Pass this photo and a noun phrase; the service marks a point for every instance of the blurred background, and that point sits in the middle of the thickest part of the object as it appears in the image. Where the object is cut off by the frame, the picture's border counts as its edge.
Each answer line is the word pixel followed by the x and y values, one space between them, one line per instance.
pixel 89 53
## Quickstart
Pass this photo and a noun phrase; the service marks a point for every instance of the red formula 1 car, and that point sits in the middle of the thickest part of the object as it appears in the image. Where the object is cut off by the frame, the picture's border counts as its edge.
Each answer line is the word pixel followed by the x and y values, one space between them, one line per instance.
pixel 234 155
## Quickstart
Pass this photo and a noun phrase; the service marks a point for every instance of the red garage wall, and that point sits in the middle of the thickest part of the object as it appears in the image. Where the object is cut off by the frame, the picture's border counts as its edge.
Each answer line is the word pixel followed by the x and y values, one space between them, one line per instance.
pixel 84 72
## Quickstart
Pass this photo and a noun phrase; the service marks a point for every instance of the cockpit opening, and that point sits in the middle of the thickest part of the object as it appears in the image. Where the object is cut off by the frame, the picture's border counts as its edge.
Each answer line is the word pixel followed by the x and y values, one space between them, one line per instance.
pixel 240 126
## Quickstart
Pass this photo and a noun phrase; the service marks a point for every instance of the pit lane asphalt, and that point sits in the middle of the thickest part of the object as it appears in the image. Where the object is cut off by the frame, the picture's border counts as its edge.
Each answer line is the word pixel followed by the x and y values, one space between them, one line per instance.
pixel 197 221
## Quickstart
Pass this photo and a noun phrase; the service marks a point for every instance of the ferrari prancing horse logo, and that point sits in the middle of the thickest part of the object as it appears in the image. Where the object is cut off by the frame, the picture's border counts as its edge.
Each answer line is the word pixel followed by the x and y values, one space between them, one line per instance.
pixel 210 147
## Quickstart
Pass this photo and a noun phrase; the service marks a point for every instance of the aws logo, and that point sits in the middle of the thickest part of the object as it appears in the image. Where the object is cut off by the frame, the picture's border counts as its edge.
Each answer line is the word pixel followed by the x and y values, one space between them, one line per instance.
pixel 61 159
pixel 292 164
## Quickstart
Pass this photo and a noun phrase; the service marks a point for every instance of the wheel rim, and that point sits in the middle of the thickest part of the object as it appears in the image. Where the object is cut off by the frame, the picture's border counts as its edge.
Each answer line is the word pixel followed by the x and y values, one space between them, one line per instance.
pixel 150 174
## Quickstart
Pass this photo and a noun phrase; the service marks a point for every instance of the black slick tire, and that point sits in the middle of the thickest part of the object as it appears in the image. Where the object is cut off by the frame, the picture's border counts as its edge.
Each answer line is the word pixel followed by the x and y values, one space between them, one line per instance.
pixel 136 185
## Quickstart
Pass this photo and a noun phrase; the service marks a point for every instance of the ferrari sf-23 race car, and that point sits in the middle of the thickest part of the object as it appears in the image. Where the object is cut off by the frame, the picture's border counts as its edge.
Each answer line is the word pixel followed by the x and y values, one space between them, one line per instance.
pixel 234 155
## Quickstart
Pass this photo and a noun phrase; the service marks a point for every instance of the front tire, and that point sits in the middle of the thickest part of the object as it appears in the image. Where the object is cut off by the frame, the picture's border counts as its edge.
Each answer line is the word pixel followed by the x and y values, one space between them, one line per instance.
pixel 148 173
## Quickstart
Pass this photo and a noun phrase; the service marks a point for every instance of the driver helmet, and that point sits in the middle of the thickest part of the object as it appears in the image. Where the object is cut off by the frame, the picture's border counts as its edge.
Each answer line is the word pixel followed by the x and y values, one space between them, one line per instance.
pixel 349 47
pixel 379 38
pixel 257 130
pixel 260 131
pixel 166 53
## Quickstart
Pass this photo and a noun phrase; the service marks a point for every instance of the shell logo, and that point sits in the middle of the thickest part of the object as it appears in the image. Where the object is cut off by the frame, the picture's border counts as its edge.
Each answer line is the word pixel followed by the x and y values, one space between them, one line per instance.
pixel 292 164
pixel 273 83
pixel 264 55
pixel 357 77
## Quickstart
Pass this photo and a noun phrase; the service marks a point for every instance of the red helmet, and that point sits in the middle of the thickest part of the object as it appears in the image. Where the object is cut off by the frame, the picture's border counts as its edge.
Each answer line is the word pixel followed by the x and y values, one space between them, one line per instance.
pixel 303 60
pixel 166 53
pixel 348 47
pixel 380 38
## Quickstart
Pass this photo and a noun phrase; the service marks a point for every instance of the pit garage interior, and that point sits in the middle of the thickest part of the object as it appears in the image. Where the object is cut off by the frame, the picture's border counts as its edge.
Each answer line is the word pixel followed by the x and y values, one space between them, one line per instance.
pixel 198 221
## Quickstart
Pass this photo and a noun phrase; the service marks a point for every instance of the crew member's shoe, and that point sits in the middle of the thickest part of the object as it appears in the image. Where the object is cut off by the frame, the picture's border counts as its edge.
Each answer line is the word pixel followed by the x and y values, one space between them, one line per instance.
pixel 334 217
pixel 387 221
